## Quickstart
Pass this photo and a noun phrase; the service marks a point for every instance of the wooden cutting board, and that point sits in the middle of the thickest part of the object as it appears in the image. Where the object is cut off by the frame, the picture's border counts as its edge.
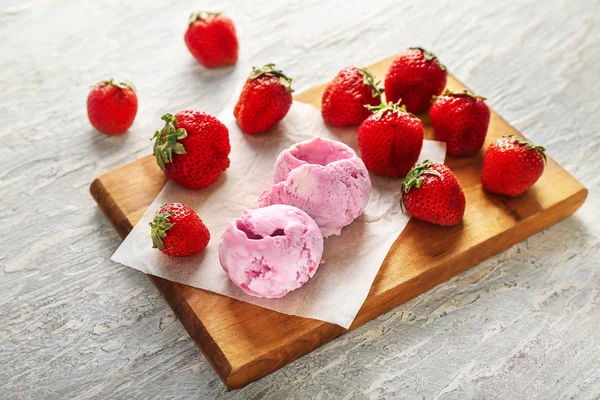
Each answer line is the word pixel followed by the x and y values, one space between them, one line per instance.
pixel 244 342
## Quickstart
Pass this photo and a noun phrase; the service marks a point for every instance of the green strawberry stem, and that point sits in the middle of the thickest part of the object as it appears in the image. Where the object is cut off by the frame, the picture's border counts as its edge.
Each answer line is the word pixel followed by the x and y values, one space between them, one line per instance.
pixel 464 93
pixel 369 80
pixel 530 146
pixel 166 141
pixel 159 227
pixel 270 70
pixel 384 107
pixel 414 178
pixel 201 16
pixel 427 56
pixel 120 85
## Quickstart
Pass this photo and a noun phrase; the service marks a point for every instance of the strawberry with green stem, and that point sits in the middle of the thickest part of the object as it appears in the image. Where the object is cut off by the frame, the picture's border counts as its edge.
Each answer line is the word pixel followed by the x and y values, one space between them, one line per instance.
pixel 461 120
pixel 511 165
pixel 212 40
pixel 414 77
pixel 112 106
pixel 344 100
pixel 192 148
pixel 265 100
pixel 431 192
pixel 390 140
pixel 178 231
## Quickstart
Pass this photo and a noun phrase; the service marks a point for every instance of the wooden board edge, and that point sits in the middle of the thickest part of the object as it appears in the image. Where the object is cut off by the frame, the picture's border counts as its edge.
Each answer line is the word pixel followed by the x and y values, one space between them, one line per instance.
pixel 311 340
pixel 194 326
pixel 109 208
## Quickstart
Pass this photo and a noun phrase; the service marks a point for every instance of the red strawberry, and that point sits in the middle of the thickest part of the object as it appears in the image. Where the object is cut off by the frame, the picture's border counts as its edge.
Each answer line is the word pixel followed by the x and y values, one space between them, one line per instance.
pixel 211 39
pixel 192 148
pixel 461 120
pixel 431 192
pixel 512 165
pixel 346 96
pixel 414 77
pixel 112 106
pixel 265 99
pixel 178 231
pixel 390 140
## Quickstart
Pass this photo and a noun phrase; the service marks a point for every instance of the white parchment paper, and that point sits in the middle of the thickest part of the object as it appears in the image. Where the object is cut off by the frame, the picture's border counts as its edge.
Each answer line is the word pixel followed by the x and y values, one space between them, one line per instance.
pixel 352 260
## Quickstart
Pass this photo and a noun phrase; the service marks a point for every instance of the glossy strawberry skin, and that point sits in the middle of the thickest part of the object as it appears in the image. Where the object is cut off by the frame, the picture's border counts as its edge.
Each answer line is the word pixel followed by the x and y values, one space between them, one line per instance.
pixel 390 143
pixel 345 97
pixel 264 102
pixel 415 79
pixel 460 120
pixel 112 107
pixel 188 236
pixel 510 168
pixel 213 40
pixel 207 149
pixel 439 200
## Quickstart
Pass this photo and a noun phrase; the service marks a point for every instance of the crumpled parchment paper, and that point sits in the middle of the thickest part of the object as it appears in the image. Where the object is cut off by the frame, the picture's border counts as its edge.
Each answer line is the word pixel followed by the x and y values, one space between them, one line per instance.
pixel 352 260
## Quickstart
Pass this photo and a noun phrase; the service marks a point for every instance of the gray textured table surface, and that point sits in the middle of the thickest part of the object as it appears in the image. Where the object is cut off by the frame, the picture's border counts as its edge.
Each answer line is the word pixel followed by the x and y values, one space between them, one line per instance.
pixel 73 324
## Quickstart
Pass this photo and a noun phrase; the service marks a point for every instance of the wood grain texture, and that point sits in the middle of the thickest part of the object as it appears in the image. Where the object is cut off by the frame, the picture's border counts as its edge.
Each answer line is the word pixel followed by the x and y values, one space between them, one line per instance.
pixel 244 342
pixel 520 325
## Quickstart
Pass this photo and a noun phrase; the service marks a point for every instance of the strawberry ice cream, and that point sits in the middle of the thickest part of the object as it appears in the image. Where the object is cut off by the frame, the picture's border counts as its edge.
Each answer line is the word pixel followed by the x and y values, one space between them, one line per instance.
pixel 270 251
pixel 323 177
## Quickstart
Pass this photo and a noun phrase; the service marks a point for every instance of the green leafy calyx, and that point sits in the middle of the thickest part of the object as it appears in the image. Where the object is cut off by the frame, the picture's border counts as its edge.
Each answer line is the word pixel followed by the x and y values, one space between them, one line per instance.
pixel 120 85
pixel 381 109
pixel 167 141
pixel 464 93
pixel 530 146
pixel 414 178
pixel 159 227
pixel 270 70
pixel 369 80
pixel 201 16
pixel 428 56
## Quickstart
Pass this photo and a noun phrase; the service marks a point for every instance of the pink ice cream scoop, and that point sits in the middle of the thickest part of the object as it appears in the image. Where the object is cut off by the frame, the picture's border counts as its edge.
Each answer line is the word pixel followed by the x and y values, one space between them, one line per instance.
pixel 323 177
pixel 270 251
